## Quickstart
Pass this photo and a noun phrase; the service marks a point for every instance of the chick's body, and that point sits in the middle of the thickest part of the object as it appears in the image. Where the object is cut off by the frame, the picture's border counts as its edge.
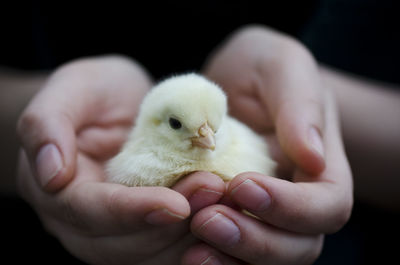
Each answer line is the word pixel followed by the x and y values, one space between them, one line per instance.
pixel 183 127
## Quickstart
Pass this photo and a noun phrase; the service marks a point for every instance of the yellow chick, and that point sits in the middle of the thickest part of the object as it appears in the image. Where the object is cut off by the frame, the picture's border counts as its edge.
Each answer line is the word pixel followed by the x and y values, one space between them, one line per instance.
pixel 183 127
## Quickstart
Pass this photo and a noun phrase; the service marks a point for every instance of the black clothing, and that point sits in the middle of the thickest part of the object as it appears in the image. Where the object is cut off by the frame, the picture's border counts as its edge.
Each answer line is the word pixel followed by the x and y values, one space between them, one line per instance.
pixel 358 36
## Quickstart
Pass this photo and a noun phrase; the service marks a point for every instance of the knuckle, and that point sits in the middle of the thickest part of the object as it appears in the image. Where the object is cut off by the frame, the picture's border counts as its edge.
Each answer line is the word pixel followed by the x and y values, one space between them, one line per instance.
pixel 313 252
pixel 69 210
pixel 280 51
pixel 292 57
pixel 249 32
pixel 72 211
pixel 343 216
pixel 113 204
pixel 292 52
pixel 116 205
pixel 316 251
pixel 26 123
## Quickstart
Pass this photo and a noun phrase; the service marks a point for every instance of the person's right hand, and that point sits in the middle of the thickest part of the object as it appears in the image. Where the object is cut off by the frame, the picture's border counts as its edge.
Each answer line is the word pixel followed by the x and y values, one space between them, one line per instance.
pixel 273 85
pixel 77 122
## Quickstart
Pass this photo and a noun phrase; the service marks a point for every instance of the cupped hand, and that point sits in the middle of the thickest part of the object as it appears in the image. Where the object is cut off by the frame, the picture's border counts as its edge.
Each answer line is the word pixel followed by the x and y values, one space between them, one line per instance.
pixel 76 123
pixel 273 85
pixel 86 106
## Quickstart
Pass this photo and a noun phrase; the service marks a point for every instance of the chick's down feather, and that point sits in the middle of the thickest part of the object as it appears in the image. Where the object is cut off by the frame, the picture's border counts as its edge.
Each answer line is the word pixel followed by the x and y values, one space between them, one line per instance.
pixel 183 126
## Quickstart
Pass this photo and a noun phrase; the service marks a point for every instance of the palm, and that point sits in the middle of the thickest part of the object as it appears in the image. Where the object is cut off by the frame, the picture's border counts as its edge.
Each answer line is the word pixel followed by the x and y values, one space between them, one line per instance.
pixel 146 242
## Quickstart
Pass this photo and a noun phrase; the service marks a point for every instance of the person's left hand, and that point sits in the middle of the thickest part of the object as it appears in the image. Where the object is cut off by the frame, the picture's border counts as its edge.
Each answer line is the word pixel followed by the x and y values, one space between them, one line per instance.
pixel 273 85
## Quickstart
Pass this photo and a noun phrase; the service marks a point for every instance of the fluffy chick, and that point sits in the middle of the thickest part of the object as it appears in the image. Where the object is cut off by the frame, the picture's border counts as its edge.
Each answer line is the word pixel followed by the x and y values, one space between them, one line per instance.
pixel 183 127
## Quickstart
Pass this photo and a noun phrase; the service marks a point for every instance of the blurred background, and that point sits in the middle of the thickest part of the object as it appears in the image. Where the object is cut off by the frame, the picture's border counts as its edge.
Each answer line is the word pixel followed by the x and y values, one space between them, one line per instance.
pixel 358 36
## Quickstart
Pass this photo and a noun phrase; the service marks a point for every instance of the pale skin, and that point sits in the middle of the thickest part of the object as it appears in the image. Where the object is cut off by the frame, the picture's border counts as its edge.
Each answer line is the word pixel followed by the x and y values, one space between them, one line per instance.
pixel 268 86
pixel 103 223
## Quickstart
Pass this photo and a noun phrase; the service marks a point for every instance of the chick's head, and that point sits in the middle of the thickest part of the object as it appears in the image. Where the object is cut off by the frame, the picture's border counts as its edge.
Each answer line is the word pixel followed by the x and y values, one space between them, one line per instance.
pixel 184 112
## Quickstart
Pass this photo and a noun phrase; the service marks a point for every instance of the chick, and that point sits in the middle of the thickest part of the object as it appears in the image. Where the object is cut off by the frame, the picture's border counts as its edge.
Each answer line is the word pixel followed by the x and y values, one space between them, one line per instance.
pixel 183 127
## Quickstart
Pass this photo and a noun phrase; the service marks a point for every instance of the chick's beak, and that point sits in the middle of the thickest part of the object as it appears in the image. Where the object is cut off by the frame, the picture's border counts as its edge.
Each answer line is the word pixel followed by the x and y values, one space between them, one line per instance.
pixel 206 138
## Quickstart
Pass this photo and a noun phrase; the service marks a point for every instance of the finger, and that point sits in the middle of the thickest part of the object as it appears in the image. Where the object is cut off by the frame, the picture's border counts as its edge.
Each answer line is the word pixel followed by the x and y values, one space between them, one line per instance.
pixel 203 254
pixel 201 189
pixel 305 207
pixel 250 240
pixel 114 208
pixel 322 205
pixel 245 105
pixel 101 208
pixel 102 143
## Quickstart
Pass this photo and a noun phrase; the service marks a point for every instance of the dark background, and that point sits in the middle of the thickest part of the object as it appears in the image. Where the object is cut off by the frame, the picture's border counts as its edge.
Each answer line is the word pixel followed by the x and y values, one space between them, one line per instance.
pixel 359 36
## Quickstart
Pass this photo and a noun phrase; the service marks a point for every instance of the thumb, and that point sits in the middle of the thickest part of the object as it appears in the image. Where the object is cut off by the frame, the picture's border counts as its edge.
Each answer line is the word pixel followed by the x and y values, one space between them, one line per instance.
pixel 48 138
pixel 300 133
pixel 296 104
pixel 47 126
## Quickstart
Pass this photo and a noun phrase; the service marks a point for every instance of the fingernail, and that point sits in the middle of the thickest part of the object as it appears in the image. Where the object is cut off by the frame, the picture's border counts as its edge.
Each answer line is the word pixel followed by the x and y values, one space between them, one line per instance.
pixel 211 260
pixel 48 163
pixel 220 230
pixel 162 216
pixel 202 198
pixel 316 141
pixel 251 196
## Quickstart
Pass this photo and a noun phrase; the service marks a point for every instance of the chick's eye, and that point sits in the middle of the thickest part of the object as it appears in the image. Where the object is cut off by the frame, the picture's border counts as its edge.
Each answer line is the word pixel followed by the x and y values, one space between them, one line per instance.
pixel 175 124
